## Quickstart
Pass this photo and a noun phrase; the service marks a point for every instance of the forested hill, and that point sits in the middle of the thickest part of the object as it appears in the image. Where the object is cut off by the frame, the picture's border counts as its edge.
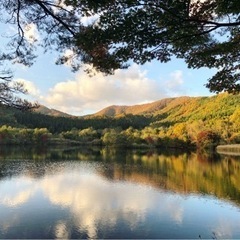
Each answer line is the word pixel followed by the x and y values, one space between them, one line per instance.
pixel 180 108
pixel 141 109
pixel 51 112
pixel 163 113
pixel 182 118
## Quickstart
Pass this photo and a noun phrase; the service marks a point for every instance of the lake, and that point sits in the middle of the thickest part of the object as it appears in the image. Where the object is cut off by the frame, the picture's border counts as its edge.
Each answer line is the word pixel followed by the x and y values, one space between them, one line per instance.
pixel 116 193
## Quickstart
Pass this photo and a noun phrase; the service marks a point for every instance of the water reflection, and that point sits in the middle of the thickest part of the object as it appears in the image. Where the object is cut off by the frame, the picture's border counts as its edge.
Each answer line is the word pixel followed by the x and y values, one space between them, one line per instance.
pixel 118 194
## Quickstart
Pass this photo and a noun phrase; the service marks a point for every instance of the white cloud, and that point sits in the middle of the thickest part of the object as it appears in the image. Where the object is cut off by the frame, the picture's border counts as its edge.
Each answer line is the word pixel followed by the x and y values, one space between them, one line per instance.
pixel 88 94
pixel 29 86
pixel 174 85
pixel 125 87
pixel 177 78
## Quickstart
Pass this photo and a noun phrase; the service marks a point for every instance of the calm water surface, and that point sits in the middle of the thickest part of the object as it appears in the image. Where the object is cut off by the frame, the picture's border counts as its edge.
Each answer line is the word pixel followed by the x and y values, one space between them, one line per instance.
pixel 109 193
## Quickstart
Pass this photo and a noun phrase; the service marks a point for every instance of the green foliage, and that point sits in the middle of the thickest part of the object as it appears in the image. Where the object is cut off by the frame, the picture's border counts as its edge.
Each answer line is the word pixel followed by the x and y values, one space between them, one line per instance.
pixel 72 134
pixel 143 31
pixel 21 136
pixel 62 124
pixel 114 137
pixel 10 91
pixel 85 135
pixel 204 33
pixel 88 134
pixel 41 135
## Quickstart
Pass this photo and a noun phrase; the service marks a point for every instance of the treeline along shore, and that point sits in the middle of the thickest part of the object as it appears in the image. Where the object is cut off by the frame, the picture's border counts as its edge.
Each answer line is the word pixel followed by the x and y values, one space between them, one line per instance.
pixel 184 122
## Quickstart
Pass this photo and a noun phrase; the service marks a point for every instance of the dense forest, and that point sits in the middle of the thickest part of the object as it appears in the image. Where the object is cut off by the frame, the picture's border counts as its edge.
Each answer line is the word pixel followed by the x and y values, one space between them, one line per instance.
pixel 182 122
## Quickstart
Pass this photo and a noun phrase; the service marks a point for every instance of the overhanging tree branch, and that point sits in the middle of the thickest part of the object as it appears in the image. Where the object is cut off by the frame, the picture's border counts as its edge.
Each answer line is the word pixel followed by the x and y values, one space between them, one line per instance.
pixel 133 30
pixel 54 16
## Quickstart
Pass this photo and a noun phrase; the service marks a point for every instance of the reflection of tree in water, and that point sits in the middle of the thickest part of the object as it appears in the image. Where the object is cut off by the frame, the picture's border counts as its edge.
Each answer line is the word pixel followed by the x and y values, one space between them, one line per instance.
pixel 199 172
pixel 208 157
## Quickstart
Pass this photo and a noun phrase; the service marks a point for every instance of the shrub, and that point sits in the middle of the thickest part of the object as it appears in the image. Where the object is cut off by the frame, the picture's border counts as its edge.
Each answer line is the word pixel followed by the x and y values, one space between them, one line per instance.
pixel 207 140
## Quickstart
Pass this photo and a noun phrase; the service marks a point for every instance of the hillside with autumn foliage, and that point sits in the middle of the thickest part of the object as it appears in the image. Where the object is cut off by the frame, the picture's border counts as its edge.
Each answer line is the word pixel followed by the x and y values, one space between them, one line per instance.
pixel 181 122
pixel 180 108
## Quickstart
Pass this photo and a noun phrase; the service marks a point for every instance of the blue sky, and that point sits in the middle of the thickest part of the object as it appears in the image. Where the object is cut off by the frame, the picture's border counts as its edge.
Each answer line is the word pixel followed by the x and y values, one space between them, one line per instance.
pixel 78 94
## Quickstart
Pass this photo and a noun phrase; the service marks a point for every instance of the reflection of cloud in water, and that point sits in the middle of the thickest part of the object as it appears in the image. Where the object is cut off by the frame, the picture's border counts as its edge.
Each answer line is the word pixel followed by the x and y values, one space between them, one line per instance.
pixel 15 193
pixel 94 202
pixel 224 228
pixel 175 208
pixel 7 223
pixel 61 230
pixel 93 199
pixel 19 199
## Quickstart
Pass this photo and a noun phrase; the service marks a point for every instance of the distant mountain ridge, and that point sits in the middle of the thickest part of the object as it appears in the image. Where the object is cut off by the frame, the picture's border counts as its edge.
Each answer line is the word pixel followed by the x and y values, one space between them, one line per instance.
pixel 142 109
pixel 167 109
pixel 51 112
pixel 221 107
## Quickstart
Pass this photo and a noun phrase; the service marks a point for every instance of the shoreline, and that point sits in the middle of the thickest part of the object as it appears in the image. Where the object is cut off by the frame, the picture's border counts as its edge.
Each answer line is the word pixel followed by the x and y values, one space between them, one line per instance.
pixel 229 149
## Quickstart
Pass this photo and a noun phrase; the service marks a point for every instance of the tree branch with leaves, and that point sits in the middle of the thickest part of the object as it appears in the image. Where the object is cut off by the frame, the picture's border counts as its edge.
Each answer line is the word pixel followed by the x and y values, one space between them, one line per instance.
pixel 203 33
pixel 9 92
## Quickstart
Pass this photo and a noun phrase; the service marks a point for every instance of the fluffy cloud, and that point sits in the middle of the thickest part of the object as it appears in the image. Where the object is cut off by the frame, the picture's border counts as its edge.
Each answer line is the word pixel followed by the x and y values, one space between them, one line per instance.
pixel 125 87
pixel 29 86
pixel 88 94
